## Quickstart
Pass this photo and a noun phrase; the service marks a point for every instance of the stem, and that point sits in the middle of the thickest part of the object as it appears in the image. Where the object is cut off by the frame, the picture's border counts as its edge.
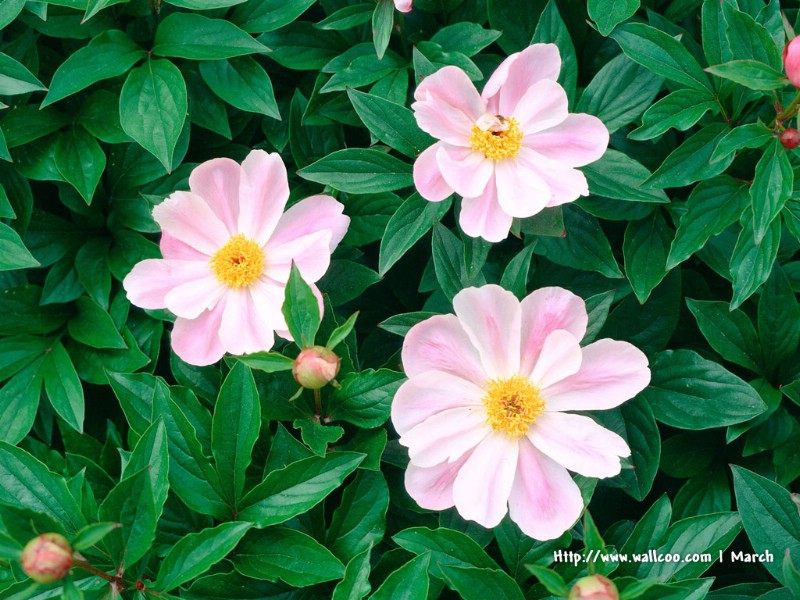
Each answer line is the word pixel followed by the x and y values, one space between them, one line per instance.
pixel 789 111
pixel 318 403
pixel 82 564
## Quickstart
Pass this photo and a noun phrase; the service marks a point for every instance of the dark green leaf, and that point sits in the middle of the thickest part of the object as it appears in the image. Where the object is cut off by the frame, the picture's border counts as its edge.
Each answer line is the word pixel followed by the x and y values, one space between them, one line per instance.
pixel 15 78
pixel 359 171
pixel 413 219
pixel 447 547
pixel 382 22
pixel 63 387
pixel 778 318
pixel 730 333
pixel 409 582
pixel 752 74
pixel 301 310
pixel 751 264
pixel 189 35
pixel 258 16
pixel 645 249
pixel 13 253
pixel 360 519
pixel 80 161
pixel 365 398
pixel 608 15
pixel 93 326
pixel 691 161
pixel 91 534
pixel 355 583
pixel 243 83
pixel 269 362
pixel 618 176
pixel 772 186
pixel 679 110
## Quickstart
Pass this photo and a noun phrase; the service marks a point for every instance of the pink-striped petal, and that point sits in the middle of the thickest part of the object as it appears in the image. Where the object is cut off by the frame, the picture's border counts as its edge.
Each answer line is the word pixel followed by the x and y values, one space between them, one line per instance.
pixel 611 373
pixel 312 215
pixel 430 393
pixel 311 253
pixel 445 436
pixel 263 192
pixel 519 72
pixel 174 249
pixel 187 218
pixel 448 105
pixel 544 105
pixel 196 341
pixel 243 328
pixel 428 177
pixel 441 344
pixel 566 183
pixel 579 444
pixel 466 171
pixel 483 485
pixel 491 318
pixel 191 298
pixel 482 216
pixel 151 280
pixel 544 501
pixel 217 182
pixel 521 191
pixel 432 487
pixel 579 140
pixel 559 358
pixel 543 311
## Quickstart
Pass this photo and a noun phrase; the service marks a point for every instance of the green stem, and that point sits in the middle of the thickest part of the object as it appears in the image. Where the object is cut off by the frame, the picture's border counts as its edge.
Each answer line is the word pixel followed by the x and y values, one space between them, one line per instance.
pixel 789 111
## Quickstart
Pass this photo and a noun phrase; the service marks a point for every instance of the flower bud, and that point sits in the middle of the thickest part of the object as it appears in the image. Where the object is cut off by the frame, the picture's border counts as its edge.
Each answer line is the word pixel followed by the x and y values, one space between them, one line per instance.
pixel 790 139
pixel 47 558
pixel 791 61
pixel 594 587
pixel 314 367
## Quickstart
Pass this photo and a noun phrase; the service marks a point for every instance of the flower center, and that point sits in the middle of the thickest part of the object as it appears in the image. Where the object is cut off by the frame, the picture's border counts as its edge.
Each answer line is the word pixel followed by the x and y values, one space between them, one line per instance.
pixel 239 262
pixel 496 137
pixel 512 405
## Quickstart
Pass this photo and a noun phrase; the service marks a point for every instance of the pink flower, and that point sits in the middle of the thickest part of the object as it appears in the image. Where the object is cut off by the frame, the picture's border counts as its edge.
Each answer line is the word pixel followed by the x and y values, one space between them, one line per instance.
pixel 47 558
pixel 228 248
pixel 510 151
pixel 791 61
pixel 403 5
pixel 484 410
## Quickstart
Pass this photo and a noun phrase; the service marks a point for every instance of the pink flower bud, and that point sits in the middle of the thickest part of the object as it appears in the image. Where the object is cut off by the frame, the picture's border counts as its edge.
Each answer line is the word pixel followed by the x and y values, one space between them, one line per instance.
pixel 314 367
pixel 790 139
pixel 47 558
pixel 791 61
pixel 594 587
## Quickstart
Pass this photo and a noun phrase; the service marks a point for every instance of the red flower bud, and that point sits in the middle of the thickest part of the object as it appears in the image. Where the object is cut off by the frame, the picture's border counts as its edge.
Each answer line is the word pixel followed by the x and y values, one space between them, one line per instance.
pixel 791 61
pixel 314 367
pixel 790 138
pixel 47 558
pixel 594 587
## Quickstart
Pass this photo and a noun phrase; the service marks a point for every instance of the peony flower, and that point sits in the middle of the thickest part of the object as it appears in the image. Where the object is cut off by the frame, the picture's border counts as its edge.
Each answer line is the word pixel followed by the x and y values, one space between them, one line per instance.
pixel 484 412
pixel 510 151
pixel 47 558
pixel 403 5
pixel 791 61
pixel 315 367
pixel 228 248
pixel 594 587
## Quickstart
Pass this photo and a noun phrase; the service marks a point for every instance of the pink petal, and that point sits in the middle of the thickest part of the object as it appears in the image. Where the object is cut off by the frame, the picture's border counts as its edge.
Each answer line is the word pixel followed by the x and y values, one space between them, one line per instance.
pixel 430 393
pixel 579 140
pixel 482 486
pixel 445 436
pixel 544 311
pixel 172 248
pixel 483 217
pixel 521 192
pixel 544 105
pixel 466 171
pixel 217 182
pixel 187 218
pixel 189 299
pixel 520 71
pixel 196 341
pixel 545 501
pixel 151 280
pixel 311 253
pixel 263 192
pixel 403 5
pixel 448 105
pixel 566 183
pixel 559 358
pixel 440 344
pixel 491 318
pixel 611 373
pixel 579 444
pixel 428 178
pixel 432 487
pixel 244 329
pixel 310 216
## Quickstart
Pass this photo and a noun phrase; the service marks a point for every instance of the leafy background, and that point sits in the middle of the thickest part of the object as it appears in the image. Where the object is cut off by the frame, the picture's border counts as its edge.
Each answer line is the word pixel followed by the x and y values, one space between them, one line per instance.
pixel 224 488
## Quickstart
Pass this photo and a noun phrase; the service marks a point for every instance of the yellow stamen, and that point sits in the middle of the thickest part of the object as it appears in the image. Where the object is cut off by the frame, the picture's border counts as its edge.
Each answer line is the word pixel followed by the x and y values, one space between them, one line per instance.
pixel 502 139
pixel 239 262
pixel 512 405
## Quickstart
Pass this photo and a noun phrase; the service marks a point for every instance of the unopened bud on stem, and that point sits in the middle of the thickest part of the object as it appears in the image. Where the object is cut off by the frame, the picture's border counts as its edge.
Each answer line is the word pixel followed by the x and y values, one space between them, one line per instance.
pixel 315 367
pixel 47 558
pixel 791 61
pixel 594 587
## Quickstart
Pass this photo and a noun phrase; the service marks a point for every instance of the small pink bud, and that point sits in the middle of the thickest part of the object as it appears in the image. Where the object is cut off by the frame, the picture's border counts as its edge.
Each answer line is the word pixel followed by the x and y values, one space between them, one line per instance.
pixel 314 367
pixel 47 558
pixel 594 587
pixel 790 139
pixel 791 61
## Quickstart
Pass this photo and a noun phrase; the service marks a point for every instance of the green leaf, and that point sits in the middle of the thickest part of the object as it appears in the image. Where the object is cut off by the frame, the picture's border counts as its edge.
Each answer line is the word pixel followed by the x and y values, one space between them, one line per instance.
pixel 515 275
pixel 9 11
pixel 691 161
pixel 648 533
pixel 300 46
pixel 749 39
pixel 447 547
pixel 550 29
pixel 110 54
pixel 791 576
pixel 662 54
pixel 196 553
pixel 706 493
pixel 13 253
pixel 301 310
pixel 409 582
pixel 189 35
pixel 10 549
pixel 772 186
pixel 550 579
pixel 448 261
pixel 297 488
pixel 204 4
pixel 752 74
pixel 355 583
pixel 730 333
pixel 382 22
pixel 608 14
pixel 347 17
pixel 770 517
pixel 516 19
pixel 269 362
pixel 28 485
pixel 93 326
pixel 778 318
pixel 339 334
pixel 359 171
pixel 391 123
pixel 360 520
pixel 751 263
pixel 400 324
pixel 63 387
pixel 465 37
pixel 259 16
pixel 679 110
pixel 364 399
pixel 645 249
pixel 689 392
pixel 243 83
pixel 152 108
pixel 618 176
pixel 15 79
pixel 19 401
pixel 752 135
pixel 91 535
pixel 234 430
pixel 80 161
pixel 413 219
pixel 286 554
